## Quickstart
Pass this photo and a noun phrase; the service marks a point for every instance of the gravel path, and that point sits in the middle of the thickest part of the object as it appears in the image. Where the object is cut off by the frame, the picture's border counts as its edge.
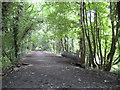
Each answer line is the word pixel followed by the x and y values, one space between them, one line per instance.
pixel 47 70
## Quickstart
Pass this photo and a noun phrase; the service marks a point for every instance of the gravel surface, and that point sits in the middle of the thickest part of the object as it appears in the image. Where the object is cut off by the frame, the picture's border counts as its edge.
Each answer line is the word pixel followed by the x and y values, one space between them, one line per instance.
pixel 41 69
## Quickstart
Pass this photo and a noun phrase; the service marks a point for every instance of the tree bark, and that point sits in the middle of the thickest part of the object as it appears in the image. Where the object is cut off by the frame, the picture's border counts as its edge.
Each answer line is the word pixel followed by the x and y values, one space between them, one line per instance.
pixel 113 44
pixel 91 60
pixel 83 32
pixel 15 32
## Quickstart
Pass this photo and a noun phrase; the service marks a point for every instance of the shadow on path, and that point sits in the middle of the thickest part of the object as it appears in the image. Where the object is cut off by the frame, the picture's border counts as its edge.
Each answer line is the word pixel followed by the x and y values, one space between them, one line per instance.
pixel 47 70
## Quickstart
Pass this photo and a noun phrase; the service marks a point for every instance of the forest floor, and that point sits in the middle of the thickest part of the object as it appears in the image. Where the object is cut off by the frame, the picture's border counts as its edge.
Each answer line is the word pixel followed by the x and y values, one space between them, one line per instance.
pixel 47 70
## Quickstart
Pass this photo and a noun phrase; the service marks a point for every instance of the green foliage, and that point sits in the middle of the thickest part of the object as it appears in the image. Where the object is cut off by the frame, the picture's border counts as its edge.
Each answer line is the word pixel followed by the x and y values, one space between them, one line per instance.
pixel 56 27
pixel 5 63
pixel 116 68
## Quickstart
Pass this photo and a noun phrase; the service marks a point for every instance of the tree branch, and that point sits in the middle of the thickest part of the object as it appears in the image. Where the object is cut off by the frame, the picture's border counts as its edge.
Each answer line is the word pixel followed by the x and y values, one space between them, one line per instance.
pixel 117 60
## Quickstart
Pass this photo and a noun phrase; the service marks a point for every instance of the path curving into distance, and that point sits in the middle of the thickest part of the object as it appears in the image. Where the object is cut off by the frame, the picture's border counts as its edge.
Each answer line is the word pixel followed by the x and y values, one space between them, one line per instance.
pixel 47 70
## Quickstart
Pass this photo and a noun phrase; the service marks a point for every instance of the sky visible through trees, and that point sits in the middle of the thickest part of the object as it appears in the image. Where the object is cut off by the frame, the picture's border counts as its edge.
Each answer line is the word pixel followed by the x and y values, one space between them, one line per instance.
pixel 89 29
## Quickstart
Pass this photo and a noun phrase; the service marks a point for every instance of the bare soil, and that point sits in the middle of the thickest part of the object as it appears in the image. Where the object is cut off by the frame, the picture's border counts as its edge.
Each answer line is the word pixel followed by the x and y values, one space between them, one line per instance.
pixel 42 69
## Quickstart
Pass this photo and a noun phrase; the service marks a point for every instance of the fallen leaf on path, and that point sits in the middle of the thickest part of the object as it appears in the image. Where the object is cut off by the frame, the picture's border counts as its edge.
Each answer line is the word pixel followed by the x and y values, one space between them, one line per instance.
pixel 15 76
pixel 30 65
pixel 18 65
pixel 76 67
pixel 63 83
pixel 10 82
pixel 75 76
pixel 57 87
pixel 15 69
pixel 72 84
pixel 67 68
pixel 79 79
pixel 32 73
pixel 106 81
pixel 45 75
pixel 42 85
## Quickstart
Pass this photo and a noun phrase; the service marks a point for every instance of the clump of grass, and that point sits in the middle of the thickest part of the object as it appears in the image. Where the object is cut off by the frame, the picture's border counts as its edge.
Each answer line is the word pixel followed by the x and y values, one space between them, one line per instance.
pixel 115 68
pixel 5 63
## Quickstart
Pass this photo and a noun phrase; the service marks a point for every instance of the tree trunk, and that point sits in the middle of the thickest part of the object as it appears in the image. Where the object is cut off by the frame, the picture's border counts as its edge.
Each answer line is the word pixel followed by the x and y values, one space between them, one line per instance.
pixel 15 32
pixel 91 55
pixel 113 44
pixel 83 32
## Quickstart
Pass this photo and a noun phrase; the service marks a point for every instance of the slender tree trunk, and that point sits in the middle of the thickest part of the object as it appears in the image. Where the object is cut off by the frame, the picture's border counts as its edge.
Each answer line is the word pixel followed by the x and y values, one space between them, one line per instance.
pixel 118 10
pixel 15 32
pixel 113 44
pixel 66 43
pixel 89 44
pixel 72 44
pixel 105 51
pixel 93 38
pixel 83 32
pixel 15 41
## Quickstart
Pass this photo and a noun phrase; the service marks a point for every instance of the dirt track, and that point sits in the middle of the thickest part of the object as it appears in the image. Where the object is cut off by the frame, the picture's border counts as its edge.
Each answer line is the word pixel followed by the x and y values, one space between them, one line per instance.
pixel 46 70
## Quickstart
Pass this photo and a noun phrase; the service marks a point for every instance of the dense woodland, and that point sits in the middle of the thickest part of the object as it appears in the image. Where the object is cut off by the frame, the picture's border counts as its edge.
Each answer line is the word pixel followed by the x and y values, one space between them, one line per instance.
pixel 89 29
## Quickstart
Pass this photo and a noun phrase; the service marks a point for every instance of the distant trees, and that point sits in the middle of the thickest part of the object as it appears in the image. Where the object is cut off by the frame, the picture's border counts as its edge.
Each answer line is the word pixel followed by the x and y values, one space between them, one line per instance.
pixel 17 22
pixel 90 29
pixel 95 26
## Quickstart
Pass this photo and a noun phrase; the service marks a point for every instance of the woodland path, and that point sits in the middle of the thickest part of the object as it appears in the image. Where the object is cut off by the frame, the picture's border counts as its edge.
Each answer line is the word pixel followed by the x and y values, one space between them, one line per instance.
pixel 47 70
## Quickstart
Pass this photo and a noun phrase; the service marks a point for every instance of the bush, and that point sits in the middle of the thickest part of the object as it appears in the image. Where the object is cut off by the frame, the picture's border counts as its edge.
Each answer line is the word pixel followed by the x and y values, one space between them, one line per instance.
pixel 6 63
pixel 116 68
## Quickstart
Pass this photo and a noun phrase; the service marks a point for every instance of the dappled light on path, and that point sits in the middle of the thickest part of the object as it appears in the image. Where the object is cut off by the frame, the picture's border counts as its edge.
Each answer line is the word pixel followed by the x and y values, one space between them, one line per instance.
pixel 46 70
